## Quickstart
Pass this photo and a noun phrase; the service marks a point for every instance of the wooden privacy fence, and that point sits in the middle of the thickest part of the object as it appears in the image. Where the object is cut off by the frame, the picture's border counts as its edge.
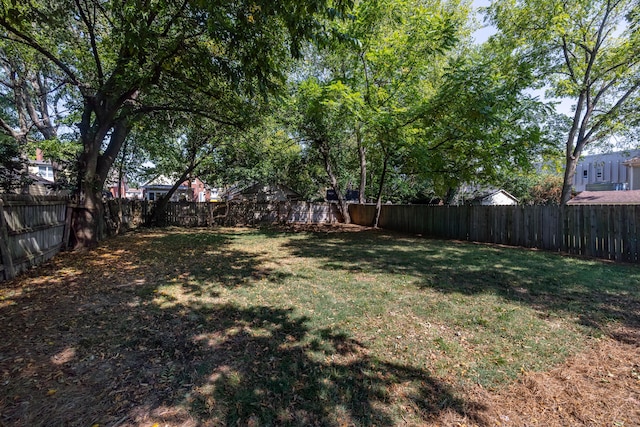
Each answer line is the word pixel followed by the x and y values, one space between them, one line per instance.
pixel 122 215
pixel 607 232
pixel 32 230
pixel 188 214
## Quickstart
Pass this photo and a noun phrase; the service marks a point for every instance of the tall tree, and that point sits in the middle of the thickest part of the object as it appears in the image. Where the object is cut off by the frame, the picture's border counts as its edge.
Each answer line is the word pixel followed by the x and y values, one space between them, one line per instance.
pixel 324 128
pixel 480 125
pixel 380 74
pixel 585 50
pixel 30 94
pixel 116 54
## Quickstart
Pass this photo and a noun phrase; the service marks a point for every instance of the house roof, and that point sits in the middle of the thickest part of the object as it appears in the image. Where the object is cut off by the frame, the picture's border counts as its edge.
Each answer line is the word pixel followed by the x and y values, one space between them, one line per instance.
pixel 631 197
pixel 488 194
pixel 635 161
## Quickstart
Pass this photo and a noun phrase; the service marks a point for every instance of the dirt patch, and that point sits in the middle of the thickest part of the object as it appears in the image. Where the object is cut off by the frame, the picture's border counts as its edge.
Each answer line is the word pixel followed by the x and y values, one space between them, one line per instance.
pixel 600 387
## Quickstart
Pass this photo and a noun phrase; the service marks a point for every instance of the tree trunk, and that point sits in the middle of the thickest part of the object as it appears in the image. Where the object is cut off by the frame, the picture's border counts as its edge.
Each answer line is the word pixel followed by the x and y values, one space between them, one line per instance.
pixel 571 162
pixel 569 173
pixel 342 204
pixel 158 216
pixel 450 196
pixel 383 176
pixel 363 166
pixel 87 218
pixel 92 174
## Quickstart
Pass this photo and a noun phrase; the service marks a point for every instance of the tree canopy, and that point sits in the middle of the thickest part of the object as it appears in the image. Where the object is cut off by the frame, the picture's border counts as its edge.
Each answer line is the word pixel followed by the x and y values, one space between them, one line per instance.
pixel 126 59
pixel 586 51
pixel 389 97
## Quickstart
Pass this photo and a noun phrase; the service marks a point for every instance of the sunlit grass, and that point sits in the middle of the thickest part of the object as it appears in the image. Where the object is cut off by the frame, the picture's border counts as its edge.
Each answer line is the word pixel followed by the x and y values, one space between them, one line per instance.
pixel 240 326
pixel 470 313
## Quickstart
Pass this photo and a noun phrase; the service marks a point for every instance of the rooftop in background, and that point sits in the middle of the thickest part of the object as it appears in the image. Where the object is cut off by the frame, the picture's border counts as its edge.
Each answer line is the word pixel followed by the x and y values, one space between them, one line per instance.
pixel 631 197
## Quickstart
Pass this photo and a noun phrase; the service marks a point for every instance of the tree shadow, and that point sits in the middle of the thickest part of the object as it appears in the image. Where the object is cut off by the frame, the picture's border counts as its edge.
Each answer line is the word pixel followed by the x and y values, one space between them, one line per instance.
pixel 597 293
pixel 95 347
pixel 267 367
pixel 194 260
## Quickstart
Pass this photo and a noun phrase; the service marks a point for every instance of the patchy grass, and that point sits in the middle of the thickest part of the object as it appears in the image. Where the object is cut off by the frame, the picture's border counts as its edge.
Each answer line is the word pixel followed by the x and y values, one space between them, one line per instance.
pixel 270 327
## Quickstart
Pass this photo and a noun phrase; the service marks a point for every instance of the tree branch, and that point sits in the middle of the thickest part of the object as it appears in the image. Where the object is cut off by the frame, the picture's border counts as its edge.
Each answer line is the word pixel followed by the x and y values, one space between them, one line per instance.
pixel 27 40
pixel 612 110
pixel 10 131
pixel 195 111
pixel 92 38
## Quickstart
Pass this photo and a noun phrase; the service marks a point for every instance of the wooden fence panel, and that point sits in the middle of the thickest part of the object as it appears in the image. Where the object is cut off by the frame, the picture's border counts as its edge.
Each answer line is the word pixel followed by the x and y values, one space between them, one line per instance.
pixel 192 214
pixel 32 230
pixel 607 232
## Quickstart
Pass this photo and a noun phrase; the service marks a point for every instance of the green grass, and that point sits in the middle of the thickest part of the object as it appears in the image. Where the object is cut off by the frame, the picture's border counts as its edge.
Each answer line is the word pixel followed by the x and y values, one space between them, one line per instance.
pixel 263 327
pixel 463 312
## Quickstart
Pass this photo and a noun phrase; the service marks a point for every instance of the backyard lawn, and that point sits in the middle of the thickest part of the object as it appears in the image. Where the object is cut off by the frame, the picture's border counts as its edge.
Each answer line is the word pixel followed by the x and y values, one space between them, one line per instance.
pixel 324 326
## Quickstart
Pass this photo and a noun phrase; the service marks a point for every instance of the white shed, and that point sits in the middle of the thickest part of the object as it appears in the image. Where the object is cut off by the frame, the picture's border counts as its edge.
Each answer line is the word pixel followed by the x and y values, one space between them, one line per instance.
pixel 495 198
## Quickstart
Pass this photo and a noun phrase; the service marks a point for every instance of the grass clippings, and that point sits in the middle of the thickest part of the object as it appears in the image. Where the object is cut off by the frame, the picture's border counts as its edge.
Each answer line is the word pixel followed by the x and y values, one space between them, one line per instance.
pixel 321 326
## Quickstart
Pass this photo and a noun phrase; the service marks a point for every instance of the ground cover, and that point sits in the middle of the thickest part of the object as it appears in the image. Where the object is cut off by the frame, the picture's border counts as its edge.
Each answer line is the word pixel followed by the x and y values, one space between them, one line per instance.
pixel 324 326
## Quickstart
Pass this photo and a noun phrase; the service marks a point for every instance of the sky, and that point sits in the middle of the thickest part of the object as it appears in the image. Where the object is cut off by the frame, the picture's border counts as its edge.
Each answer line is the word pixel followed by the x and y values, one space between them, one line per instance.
pixel 486 31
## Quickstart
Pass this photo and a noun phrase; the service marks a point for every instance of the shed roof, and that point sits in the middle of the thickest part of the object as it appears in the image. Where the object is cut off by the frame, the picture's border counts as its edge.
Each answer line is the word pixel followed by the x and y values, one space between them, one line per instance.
pixel 492 193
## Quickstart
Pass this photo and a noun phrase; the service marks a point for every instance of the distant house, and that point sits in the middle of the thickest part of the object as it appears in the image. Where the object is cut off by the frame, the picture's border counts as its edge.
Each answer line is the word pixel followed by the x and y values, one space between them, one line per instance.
pixel 193 191
pixel 133 193
pixel 203 193
pixel 608 172
pixel 38 186
pixel 42 169
pixel 262 192
pixel 41 176
pixel 608 179
pixel 633 179
pixel 494 198
pixel 158 187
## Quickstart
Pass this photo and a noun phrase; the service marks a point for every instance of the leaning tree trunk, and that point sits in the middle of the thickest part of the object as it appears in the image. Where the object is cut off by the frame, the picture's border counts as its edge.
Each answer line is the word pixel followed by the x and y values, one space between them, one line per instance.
pixel 333 180
pixel 159 212
pixel 376 217
pixel 363 166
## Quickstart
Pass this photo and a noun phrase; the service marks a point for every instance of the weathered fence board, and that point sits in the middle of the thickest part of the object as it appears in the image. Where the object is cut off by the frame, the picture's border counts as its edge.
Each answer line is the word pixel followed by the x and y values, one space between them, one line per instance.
pixel 607 232
pixel 187 214
pixel 32 230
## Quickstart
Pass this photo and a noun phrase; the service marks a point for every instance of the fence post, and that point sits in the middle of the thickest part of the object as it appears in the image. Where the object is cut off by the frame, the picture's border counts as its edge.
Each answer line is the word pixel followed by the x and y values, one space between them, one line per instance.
pixel 7 260
pixel 66 235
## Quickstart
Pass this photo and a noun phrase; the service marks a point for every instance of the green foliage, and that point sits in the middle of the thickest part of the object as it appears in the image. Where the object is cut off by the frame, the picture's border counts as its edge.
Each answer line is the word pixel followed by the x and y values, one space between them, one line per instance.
pixel 12 167
pixel 481 126
pixel 327 115
pixel 587 51
pixel 364 93
pixel 122 61
pixel 535 189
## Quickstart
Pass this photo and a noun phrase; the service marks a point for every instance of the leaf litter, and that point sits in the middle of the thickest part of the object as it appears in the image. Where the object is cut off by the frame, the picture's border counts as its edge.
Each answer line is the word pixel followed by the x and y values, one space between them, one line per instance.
pixel 84 344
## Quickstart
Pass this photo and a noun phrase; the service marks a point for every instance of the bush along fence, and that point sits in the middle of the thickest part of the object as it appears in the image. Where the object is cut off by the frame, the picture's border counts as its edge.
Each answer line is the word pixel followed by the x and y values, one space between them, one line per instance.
pixel 32 230
pixel 608 232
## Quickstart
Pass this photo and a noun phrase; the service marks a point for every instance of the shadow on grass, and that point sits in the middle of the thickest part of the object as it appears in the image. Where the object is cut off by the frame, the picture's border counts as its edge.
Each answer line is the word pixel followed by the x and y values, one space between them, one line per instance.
pixel 196 260
pixel 595 292
pixel 87 344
